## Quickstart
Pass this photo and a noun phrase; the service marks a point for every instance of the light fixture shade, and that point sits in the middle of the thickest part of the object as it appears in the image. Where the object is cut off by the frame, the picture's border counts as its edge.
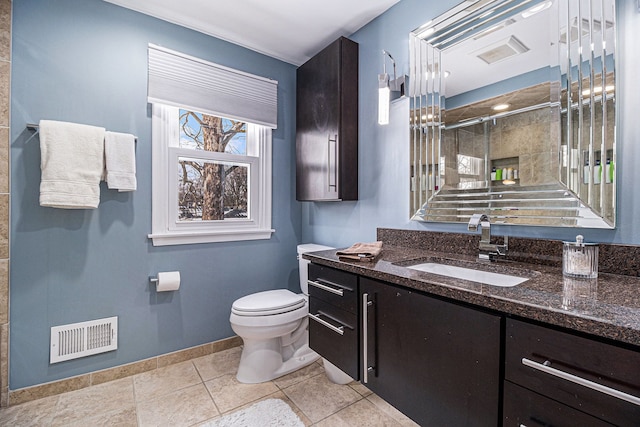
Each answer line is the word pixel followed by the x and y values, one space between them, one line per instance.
pixel 384 98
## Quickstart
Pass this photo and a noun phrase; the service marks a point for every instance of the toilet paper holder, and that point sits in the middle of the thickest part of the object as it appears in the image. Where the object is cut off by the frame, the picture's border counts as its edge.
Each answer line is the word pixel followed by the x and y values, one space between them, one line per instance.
pixel 166 281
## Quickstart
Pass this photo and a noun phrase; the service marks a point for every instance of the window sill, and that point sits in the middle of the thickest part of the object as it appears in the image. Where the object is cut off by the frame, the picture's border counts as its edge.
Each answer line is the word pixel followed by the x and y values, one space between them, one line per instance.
pixel 182 238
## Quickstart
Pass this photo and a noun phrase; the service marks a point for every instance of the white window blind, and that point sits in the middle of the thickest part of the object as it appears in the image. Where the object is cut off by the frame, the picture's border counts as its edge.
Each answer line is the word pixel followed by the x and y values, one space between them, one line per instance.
pixel 181 80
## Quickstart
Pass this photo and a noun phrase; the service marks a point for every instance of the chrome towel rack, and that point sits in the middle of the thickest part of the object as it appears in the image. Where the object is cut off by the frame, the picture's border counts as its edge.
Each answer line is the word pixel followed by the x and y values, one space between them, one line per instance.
pixel 34 127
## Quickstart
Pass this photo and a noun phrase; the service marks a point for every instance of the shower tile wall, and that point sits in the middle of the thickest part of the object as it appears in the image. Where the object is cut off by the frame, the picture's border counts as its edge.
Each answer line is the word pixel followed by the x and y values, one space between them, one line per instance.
pixel 5 79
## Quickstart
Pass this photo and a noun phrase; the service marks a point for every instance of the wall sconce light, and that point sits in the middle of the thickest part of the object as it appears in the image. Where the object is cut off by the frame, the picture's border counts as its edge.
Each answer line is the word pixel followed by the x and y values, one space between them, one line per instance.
pixel 388 90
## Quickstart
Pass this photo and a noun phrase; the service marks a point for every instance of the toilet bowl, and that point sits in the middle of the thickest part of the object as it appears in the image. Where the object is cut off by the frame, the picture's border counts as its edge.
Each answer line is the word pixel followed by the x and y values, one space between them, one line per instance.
pixel 274 334
pixel 273 326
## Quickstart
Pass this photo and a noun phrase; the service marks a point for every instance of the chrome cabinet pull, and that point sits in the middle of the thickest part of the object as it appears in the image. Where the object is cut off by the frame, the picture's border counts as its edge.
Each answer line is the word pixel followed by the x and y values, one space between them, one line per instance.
pixel 335 162
pixel 336 329
pixel 546 368
pixel 326 288
pixel 365 337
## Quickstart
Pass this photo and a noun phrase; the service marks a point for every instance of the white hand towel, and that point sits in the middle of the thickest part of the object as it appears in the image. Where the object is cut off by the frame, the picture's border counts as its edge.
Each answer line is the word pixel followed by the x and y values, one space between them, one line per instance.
pixel 120 161
pixel 72 160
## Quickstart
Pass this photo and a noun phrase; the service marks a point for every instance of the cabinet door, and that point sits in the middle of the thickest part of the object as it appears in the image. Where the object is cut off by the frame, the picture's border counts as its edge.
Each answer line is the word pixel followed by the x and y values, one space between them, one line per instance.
pixel 326 124
pixel 591 376
pixel 436 361
pixel 524 408
pixel 336 287
pixel 333 333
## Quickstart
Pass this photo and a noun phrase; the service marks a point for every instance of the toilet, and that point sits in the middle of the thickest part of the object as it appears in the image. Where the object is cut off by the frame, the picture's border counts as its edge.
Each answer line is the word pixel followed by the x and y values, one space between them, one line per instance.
pixel 273 326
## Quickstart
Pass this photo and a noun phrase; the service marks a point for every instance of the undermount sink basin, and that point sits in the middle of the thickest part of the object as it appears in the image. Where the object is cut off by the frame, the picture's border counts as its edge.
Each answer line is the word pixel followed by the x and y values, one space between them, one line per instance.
pixel 473 275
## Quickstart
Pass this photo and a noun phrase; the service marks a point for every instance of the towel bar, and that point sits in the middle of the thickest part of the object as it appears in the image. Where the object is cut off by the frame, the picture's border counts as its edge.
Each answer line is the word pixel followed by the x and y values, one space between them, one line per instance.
pixel 35 127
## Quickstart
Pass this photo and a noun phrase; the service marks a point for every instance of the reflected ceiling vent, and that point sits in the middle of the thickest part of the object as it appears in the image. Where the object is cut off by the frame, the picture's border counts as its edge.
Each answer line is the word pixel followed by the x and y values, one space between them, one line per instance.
pixel 502 50
pixel 584 29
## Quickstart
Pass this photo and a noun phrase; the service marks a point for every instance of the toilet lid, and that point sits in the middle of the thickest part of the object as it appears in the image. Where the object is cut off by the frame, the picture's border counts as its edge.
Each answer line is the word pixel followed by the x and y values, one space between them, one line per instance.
pixel 268 303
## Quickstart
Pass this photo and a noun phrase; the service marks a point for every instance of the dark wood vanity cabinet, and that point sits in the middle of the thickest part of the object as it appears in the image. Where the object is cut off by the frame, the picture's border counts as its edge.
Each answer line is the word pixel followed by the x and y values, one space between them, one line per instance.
pixel 562 379
pixel 523 407
pixel 333 314
pixel 436 361
pixel 443 363
pixel 327 124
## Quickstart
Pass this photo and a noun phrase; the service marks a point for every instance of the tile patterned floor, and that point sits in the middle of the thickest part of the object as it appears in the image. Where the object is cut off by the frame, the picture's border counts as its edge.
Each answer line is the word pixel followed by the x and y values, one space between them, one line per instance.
pixel 194 392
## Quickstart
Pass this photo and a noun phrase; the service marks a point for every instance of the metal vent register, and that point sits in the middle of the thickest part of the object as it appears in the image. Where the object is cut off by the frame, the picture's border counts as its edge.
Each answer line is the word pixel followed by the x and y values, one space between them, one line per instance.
pixel 83 339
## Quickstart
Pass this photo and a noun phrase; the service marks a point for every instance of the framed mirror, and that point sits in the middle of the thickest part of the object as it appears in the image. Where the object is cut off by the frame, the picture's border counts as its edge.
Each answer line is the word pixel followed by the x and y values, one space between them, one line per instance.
pixel 513 113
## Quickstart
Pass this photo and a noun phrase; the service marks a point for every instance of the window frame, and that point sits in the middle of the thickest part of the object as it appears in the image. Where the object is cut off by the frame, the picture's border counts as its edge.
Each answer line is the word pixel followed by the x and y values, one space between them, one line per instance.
pixel 166 230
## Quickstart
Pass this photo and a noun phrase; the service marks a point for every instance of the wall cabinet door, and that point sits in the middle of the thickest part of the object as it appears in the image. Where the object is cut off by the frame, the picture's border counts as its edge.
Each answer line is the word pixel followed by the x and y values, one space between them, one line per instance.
pixel 436 361
pixel 327 124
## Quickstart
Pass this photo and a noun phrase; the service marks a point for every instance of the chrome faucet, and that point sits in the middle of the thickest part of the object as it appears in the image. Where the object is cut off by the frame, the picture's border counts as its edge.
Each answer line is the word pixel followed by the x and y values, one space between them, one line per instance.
pixel 488 250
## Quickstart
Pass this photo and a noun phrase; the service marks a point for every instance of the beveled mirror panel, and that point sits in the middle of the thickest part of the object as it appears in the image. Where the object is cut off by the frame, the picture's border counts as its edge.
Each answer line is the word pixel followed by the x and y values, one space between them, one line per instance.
pixel 513 113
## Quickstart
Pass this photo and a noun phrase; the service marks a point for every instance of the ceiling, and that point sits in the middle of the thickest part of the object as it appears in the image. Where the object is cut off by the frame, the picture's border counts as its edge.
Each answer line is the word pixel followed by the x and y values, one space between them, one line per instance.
pixel 289 30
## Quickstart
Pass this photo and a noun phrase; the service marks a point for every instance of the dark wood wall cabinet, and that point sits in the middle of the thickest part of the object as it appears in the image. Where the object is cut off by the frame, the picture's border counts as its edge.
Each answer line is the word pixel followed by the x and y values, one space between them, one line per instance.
pixel 443 363
pixel 327 124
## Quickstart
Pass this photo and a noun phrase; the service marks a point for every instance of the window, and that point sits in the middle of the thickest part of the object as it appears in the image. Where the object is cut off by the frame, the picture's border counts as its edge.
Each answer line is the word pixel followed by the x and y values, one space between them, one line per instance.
pixel 211 178
pixel 211 155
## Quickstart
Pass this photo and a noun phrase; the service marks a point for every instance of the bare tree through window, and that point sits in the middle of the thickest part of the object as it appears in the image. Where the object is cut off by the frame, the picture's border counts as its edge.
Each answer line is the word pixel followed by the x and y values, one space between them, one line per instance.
pixel 212 189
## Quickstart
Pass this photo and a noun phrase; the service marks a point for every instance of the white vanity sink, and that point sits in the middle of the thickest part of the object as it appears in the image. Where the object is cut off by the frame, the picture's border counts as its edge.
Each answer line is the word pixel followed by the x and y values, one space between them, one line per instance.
pixel 489 278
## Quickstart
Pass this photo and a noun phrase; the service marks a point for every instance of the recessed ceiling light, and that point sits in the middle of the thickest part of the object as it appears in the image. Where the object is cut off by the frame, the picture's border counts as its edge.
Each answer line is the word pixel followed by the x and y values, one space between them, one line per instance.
pixel 500 107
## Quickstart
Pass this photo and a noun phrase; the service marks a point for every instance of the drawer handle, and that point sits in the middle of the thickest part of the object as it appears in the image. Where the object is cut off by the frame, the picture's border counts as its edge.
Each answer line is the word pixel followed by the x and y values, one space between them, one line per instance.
pixel 336 329
pixel 546 368
pixel 326 288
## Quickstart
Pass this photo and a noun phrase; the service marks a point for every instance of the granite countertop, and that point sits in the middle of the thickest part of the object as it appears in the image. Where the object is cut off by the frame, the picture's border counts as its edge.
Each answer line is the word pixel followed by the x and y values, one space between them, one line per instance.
pixel 608 306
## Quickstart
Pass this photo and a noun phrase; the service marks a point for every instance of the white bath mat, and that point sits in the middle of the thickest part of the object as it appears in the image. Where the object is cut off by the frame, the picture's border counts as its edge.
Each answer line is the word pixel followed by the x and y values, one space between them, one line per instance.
pixel 270 412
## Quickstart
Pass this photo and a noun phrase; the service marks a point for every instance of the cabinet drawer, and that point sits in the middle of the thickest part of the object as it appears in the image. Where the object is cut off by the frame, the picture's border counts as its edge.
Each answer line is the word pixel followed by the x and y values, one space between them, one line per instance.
pixel 588 375
pixel 523 407
pixel 333 334
pixel 336 287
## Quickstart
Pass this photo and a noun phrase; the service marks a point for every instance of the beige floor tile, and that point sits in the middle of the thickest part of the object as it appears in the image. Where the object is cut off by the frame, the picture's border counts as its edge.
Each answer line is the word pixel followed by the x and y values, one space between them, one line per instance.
pixel 218 364
pixel 94 401
pixel 318 397
pixel 153 384
pixel 391 411
pixel 229 394
pixel 364 391
pixel 299 375
pixel 120 418
pixel 35 413
pixel 280 395
pixel 184 407
pixel 361 413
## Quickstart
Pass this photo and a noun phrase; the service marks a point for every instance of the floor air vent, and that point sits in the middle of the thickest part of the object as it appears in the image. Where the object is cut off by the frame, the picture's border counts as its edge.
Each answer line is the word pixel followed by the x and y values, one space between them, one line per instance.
pixel 83 339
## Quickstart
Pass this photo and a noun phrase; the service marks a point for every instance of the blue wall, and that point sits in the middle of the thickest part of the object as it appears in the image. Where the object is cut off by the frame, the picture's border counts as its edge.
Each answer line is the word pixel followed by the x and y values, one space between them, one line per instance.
pixel 384 151
pixel 85 61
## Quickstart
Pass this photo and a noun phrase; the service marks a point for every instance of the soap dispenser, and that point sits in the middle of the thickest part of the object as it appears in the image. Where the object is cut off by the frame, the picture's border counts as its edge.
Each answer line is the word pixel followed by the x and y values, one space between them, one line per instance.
pixel 580 259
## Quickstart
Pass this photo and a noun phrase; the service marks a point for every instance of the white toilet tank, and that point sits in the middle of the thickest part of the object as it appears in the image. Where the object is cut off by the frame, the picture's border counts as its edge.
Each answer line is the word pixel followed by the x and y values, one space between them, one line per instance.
pixel 303 264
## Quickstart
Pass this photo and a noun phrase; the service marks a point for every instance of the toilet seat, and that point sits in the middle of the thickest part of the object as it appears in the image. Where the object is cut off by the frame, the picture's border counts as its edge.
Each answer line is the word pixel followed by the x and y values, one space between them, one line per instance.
pixel 268 303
